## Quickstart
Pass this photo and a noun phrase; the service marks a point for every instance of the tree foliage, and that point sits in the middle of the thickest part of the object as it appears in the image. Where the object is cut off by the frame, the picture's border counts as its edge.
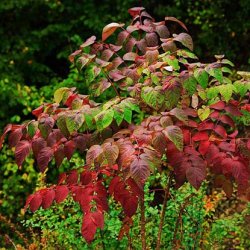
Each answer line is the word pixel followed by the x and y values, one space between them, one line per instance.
pixel 161 110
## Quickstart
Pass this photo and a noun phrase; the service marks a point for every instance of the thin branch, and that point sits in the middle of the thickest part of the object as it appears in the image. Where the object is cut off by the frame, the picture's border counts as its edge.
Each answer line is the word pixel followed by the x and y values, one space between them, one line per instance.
pixel 143 224
pixel 163 211
pixel 179 219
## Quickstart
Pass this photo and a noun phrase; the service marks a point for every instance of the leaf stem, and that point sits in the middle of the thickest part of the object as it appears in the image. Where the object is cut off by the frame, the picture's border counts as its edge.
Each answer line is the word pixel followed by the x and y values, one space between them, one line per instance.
pixel 163 211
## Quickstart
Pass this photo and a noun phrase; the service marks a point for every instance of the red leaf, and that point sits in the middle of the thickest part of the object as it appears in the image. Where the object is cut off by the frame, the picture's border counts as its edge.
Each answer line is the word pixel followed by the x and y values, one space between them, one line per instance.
pixel 35 202
pixel 203 147
pixel 48 198
pixel 98 219
pixel 195 176
pixel 228 147
pixel 44 157
pixel 136 190
pixel 231 109
pixel 22 151
pixel 38 111
pixel 59 155
pixel 200 136
pixel 61 193
pixel 88 227
pixel 130 205
pixel 88 42
pixel 107 54
pixel 227 120
pixel 37 145
pixel 93 153
pixel 122 36
pixel 220 105
pixel 151 39
pixel 86 177
pixel 72 177
pixel 15 137
pixel 109 29
pixel 130 56
pixel 69 148
pixel 220 131
pixel 140 171
pixel 173 19
pixel 205 126
pixel 30 197
pixel 135 11
pixel 62 177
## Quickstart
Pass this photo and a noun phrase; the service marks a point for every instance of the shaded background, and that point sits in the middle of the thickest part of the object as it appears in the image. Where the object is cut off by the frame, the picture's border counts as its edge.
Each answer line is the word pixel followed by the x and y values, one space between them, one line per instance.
pixel 36 37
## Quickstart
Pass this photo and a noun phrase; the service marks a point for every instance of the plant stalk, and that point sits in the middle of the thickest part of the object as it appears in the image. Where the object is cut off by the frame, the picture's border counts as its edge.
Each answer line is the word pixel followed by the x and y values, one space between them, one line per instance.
pixel 163 212
pixel 143 224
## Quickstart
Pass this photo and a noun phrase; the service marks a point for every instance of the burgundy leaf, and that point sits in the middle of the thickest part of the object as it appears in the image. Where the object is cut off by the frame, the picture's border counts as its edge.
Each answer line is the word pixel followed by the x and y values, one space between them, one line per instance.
pixel 220 131
pixel 61 193
pixel 200 136
pixel 195 176
pixel 86 177
pixel 44 157
pixel 135 11
pixel 35 202
pixel 72 177
pixel 37 145
pixel 48 198
pixel 69 148
pixel 15 137
pixel 227 120
pixel 173 19
pixel 88 227
pixel 59 155
pixel 21 152
pixel 140 171
pixel 130 206
pixel 151 39
pixel 62 177
pixel 122 36
pixel 220 105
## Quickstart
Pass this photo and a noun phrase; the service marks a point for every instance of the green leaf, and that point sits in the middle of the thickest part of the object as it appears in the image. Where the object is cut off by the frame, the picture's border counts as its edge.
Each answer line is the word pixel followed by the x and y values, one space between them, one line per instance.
pixel 190 84
pixel 204 113
pixel 59 93
pixel 128 115
pixel 240 88
pixel 61 124
pixel 32 128
pixel 202 77
pixel 186 54
pixel 213 92
pixel 226 91
pixel 174 134
pixel 104 119
pixel 118 116
pixel 152 97
pixel 215 72
pixel 74 122
pixel 172 61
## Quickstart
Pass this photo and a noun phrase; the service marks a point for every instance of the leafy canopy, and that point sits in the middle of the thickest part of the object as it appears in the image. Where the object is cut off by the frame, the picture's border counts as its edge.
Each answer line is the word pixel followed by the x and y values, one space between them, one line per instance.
pixel 161 110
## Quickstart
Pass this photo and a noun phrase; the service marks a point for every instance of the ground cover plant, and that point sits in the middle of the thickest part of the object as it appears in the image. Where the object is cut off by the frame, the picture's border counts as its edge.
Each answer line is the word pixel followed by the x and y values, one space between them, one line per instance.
pixel 151 108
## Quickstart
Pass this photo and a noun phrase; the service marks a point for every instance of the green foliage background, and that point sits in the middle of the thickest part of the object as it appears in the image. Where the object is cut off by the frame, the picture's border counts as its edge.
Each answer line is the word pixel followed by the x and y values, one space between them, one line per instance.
pixel 36 39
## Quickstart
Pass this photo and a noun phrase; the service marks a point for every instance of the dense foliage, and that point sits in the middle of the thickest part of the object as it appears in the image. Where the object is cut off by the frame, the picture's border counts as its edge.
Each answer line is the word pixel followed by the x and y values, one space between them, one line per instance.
pixel 34 49
pixel 152 107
